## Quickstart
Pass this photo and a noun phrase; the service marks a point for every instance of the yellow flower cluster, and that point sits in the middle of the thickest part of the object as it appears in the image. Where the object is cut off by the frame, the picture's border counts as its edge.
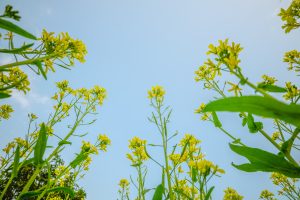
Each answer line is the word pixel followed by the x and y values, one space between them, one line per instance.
pixel 275 135
pixel 201 107
pixel 100 93
pixel 267 195
pixel 95 95
pixel 86 163
pixel 191 142
pixel 14 78
pixel 291 16
pixel 62 46
pixel 157 93
pixel 268 80
pixel 231 194
pixel 87 147
pixel 5 111
pixel 137 146
pixel 124 183
pixel 293 59
pixel 182 187
pixel 55 198
pixel 292 91
pixel 205 166
pixel 226 54
pixel 104 141
pixel 288 185
pixel 8 147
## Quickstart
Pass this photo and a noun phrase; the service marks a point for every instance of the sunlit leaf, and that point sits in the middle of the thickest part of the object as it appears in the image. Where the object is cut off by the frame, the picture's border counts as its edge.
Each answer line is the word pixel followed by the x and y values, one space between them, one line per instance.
pixel 261 160
pixel 257 105
pixel 7 25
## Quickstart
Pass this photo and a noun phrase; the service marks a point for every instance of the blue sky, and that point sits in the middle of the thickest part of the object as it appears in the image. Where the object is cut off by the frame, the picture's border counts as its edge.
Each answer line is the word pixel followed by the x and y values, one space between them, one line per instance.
pixel 133 45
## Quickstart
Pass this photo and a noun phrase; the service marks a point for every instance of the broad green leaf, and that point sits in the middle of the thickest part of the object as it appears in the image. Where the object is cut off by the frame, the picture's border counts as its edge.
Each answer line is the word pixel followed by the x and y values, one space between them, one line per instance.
pixel 158 194
pixel 208 194
pixel 40 67
pixel 16 50
pixel 4 95
pixel 16 162
pixel 41 145
pixel 258 105
pixel 261 160
pixel 216 120
pixel 271 88
pixel 7 25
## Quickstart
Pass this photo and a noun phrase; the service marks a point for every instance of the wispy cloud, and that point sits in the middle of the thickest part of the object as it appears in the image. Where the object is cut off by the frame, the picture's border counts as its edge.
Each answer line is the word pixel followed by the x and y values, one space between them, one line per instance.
pixel 30 99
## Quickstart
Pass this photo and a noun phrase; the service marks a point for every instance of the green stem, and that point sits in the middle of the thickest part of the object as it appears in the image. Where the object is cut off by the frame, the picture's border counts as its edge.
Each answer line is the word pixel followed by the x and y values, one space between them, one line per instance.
pixel 57 149
pixel 26 62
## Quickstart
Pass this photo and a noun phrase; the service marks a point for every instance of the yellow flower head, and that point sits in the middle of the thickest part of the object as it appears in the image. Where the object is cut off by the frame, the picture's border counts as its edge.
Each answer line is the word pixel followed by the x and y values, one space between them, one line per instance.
pixel 137 147
pixel 104 141
pixel 157 93
pixel 232 194
pixel 5 111
pixel 124 183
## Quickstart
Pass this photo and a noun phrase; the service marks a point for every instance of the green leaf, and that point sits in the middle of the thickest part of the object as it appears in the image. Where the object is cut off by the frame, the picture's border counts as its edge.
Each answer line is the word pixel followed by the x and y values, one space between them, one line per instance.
pixel 258 105
pixel 271 88
pixel 40 67
pixel 41 145
pixel 30 194
pixel 244 121
pixel 158 194
pixel 7 25
pixel 208 194
pixel 64 142
pixel 16 50
pixel 16 162
pixel 4 95
pixel 194 175
pixel 216 120
pixel 261 160
pixel 79 158
pixel 287 145
pixel 253 126
pixel 64 190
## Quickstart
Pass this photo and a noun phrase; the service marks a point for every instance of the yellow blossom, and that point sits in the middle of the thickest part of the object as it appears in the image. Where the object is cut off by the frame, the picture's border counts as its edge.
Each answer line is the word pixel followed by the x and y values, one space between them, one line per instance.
pixel 231 194
pixel 104 141
pixel 156 92
pixel 234 88
pixel 5 111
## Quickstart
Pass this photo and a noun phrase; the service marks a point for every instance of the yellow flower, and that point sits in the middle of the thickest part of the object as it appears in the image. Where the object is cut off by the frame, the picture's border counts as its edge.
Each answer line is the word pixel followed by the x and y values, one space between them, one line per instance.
pixel 104 141
pixel 88 147
pixel 292 91
pixel 235 88
pixel 63 85
pixel 201 107
pixel 157 93
pixel 268 80
pixel 275 135
pixel 266 194
pixel 137 147
pixel 100 93
pixel 124 183
pixel 5 111
pixel 231 194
